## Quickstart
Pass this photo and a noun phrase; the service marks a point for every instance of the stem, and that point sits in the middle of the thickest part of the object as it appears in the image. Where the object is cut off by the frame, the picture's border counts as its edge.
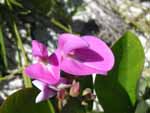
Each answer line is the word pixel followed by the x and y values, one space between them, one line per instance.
pixel 19 58
pixel 50 106
pixel 13 73
pixel 61 26
pixel 59 105
pixel 3 48
pixel 27 80
pixel 70 29
pixel 9 4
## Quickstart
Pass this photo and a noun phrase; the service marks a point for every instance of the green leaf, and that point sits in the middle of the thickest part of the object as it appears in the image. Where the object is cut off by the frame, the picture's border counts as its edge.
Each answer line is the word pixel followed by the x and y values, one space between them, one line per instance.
pixel 117 91
pixel 73 106
pixel 23 101
pixel 86 82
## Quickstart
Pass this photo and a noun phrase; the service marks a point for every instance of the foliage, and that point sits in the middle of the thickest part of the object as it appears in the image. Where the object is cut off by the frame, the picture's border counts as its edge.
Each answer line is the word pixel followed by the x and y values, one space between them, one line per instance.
pixel 23 101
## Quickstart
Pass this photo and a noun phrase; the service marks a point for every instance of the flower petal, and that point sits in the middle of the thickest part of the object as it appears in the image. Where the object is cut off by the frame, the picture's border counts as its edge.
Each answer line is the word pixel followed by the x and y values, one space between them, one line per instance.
pixel 103 50
pixel 61 84
pixel 55 58
pixel 45 73
pixel 96 58
pixel 45 94
pixel 68 42
pixel 39 50
pixel 74 67
pixel 40 85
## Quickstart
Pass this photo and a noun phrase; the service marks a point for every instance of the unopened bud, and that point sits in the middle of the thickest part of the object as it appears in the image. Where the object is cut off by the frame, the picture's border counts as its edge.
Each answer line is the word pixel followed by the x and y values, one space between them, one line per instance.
pixel 75 89
pixel 88 95
pixel 61 94
pixel 86 91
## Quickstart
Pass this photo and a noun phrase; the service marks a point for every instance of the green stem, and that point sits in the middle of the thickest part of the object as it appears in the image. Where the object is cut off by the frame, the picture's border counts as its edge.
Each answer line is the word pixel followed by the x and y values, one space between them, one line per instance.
pixel 11 75
pixel 19 58
pixel 59 105
pixel 9 4
pixel 61 26
pixel 50 106
pixel 27 80
pixel 3 48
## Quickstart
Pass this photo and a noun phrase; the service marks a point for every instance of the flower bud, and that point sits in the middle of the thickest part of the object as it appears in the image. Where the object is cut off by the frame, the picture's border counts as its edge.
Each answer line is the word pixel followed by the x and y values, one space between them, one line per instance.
pixel 88 95
pixel 61 94
pixel 86 91
pixel 75 89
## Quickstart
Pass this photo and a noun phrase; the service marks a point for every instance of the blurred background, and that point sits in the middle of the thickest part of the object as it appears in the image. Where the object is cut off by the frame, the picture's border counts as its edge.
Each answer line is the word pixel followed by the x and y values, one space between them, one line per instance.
pixel 24 20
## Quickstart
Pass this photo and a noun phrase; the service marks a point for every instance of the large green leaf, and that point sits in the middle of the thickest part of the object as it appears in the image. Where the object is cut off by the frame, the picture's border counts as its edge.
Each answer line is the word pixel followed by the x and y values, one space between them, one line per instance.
pixel 86 82
pixel 23 101
pixel 117 91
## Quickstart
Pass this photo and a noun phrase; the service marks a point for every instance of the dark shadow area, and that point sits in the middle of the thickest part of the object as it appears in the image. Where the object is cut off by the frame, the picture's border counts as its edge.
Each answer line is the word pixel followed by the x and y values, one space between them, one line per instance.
pixel 84 28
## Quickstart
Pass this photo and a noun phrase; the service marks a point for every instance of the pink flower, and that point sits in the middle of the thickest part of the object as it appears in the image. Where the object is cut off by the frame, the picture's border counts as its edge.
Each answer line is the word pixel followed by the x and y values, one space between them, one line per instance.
pixel 46 68
pixel 46 72
pixel 75 55
pixel 84 55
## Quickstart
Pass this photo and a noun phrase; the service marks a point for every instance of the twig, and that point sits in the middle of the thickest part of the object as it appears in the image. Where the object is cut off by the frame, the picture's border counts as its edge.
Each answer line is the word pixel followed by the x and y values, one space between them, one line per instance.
pixel 61 26
pixel 11 75
pixel 27 81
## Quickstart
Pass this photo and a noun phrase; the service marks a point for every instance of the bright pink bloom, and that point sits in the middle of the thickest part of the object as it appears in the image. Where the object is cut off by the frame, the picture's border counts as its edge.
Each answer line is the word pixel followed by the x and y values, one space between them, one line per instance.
pixel 84 55
pixel 46 69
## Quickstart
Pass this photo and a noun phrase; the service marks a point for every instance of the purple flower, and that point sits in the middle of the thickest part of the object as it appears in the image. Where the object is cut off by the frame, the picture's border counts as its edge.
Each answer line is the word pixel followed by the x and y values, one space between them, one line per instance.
pixel 46 68
pixel 84 55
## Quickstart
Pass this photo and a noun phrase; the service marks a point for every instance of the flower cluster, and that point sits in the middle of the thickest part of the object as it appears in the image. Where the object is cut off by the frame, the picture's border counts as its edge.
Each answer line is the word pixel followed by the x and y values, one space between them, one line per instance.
pixel 75 55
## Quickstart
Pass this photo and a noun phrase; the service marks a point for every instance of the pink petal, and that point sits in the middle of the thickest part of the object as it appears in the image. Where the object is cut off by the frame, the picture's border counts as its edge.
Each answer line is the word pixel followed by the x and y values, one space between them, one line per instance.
pixel 61 84
pixel 103 50
pixel 63 81
pixel 55 58
pixel 74 67
pixel 39 50
pixel 45 95
pixel 48 74
pixel 69 42
pixel 96 58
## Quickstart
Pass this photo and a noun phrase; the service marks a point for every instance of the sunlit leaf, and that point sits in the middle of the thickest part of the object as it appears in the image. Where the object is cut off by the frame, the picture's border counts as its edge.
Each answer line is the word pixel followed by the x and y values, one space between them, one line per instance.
pixel 117 91
pixel 23 101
